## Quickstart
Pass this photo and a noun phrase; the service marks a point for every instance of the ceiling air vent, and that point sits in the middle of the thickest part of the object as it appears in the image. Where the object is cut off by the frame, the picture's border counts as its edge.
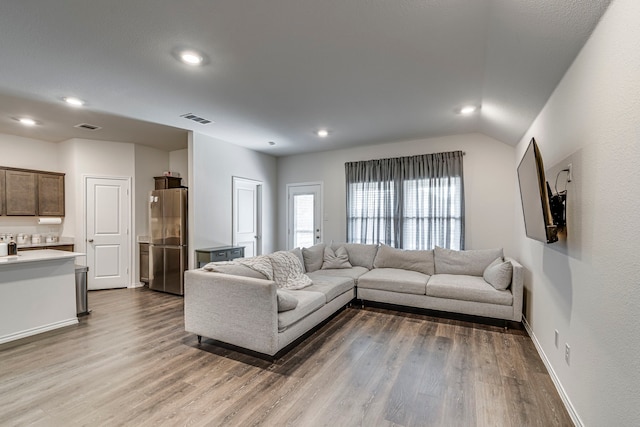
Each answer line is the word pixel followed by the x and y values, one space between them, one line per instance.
pixel 87 126
pixel 201 120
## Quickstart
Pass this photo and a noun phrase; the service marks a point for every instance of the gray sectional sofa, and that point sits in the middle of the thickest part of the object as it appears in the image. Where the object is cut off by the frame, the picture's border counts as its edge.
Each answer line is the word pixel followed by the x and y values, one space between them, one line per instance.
pixel 248 304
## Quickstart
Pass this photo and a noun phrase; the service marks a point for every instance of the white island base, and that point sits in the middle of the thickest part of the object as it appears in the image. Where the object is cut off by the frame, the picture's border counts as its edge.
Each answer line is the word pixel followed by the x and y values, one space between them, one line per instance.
pixel 37 293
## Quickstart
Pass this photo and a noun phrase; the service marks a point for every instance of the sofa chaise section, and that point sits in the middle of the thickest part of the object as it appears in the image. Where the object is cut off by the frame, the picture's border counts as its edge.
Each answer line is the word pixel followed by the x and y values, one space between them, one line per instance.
pixel 243 311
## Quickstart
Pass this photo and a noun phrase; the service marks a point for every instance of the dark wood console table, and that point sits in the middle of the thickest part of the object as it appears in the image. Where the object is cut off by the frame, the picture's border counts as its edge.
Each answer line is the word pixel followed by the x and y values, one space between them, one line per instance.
pixel 218 253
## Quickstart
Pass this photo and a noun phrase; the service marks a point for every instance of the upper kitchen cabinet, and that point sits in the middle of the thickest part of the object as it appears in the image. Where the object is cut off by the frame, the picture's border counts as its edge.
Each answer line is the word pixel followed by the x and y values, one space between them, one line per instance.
pixel 21 193
pixel 29 193
pixel 50 194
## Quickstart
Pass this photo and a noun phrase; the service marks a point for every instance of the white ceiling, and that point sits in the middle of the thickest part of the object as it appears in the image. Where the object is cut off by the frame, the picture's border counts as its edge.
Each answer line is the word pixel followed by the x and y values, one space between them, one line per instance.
pixel 368 70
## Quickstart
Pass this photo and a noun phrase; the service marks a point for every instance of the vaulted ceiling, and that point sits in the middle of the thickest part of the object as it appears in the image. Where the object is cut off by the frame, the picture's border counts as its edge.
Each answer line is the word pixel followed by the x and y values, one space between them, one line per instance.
pixel 369 71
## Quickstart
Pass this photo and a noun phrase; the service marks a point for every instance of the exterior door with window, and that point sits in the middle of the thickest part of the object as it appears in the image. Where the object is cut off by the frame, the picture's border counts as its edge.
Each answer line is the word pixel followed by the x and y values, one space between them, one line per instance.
pixel 304 219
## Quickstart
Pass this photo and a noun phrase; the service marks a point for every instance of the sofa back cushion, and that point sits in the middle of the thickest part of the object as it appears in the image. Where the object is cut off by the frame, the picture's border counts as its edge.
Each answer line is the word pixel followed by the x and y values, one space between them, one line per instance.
pixel 471 262
pixel 360 255
pixel 420 261
pixel 313 257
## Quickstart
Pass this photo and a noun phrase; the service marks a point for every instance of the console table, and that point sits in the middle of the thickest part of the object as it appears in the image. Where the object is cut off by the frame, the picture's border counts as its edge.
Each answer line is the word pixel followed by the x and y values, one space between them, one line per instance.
pixel 218 253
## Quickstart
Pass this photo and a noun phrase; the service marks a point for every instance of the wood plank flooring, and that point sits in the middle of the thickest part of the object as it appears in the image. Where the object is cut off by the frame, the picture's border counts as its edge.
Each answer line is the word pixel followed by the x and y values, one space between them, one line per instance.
pixel 130 362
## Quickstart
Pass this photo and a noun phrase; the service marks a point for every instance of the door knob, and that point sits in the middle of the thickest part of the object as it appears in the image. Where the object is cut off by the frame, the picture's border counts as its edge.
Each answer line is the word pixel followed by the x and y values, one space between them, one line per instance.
pixel 90 240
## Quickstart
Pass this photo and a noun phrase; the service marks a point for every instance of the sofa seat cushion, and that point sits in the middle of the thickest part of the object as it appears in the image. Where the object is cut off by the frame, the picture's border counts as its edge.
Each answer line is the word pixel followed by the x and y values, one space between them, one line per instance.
pixel 395 280
pixel 308 302
pixel 466 288
pixel 330 286
pixel 351 273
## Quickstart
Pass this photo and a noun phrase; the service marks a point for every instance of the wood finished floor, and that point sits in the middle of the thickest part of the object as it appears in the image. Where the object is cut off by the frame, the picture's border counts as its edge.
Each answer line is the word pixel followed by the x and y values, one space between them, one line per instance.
pixel 131 363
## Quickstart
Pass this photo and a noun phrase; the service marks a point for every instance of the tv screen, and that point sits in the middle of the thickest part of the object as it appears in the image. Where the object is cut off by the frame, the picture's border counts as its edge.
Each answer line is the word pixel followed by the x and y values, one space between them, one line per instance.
pixel 534 194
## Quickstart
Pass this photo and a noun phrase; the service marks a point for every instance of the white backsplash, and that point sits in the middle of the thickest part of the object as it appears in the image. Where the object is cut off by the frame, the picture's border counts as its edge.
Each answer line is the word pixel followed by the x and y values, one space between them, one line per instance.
pixel 27 225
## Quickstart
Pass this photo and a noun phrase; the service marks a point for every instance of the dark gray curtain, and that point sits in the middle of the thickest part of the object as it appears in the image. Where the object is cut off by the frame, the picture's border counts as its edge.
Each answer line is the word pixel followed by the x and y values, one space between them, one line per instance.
pixel 414 202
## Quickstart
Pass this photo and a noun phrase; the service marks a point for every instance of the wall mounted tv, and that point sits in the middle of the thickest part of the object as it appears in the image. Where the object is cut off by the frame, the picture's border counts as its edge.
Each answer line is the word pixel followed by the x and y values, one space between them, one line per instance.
pixel 537 199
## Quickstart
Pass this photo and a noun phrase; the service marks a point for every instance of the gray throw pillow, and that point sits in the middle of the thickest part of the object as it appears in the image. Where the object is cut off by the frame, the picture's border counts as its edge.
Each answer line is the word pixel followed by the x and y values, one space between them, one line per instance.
pixel 471 262
pixel 313 257
pixel 337 259
pixel 498 274
pixel 360 255
pixel 420 261
pixel 286 301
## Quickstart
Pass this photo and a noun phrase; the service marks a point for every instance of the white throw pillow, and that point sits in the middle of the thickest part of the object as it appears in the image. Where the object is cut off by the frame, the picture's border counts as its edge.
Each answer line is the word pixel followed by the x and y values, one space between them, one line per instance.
pixel 498 274
pixel 337 259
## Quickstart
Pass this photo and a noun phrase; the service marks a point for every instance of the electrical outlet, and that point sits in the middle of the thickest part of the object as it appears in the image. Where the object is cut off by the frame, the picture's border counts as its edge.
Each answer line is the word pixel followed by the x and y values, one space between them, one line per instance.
pixel 567 353
pixel 557 338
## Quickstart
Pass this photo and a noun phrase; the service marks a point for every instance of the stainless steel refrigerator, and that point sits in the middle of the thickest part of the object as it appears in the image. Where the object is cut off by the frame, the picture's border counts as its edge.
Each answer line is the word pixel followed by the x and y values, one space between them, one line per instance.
pixel 168 240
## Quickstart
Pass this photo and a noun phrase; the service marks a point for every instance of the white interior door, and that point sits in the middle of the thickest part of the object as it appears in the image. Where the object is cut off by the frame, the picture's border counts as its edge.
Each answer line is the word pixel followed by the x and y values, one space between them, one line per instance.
pixel 107 232
pixel 304 214
pixel 247 215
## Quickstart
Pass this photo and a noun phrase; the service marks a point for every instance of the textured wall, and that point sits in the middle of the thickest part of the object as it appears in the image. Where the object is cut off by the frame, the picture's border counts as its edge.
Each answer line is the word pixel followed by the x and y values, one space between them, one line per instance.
pixel 588 286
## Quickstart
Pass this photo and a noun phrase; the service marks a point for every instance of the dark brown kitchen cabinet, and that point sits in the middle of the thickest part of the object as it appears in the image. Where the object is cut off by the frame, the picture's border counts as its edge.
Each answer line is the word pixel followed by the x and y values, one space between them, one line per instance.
pixel 144 262
pixel 25 192
pixel 21 192
pixel 50 194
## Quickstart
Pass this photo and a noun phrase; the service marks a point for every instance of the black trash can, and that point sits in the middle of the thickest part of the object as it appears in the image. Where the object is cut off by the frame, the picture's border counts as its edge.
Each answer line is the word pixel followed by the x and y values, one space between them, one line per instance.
pixel 82 304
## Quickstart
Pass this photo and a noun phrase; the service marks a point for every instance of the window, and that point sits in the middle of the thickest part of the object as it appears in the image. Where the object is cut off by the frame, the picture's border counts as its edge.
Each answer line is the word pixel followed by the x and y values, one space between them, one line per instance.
pixel 303 220
pixel 412 202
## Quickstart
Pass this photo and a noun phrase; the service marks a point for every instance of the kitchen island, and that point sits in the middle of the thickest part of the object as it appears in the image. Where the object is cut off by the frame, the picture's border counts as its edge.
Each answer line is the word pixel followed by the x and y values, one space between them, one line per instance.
pixel 37 293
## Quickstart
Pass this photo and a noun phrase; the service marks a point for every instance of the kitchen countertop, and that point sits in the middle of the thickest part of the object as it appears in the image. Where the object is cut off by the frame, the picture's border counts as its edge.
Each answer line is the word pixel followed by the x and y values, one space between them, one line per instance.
pixel 61 241
pixel 35 256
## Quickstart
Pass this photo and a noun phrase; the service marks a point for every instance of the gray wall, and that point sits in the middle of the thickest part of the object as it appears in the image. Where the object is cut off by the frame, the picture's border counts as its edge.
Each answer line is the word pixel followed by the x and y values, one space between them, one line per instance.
pixel 212 164
pixel 489 184
pixel 587 286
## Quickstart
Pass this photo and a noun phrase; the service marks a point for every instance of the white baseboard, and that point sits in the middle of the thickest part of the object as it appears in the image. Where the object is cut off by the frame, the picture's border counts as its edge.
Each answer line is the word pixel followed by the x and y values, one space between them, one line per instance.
pixel 556 381
pixel 40 329
pixel 136 285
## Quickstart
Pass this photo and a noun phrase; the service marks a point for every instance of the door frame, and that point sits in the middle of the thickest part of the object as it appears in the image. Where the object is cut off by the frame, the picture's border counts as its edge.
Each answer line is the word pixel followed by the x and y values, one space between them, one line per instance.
pixel 259 186
pixel 130 213
pixel 288 224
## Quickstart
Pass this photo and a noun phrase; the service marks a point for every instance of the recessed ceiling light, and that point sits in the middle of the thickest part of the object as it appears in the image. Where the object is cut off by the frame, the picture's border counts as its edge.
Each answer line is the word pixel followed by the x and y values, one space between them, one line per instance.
pixel 322 133
pixel 191 57
pixel 27 121
pixel 76 102
pixel 469 109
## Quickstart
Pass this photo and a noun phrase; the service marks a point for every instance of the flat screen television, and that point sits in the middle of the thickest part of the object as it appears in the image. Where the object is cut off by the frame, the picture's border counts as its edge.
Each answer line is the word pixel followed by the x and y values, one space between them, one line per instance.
pixel 535 194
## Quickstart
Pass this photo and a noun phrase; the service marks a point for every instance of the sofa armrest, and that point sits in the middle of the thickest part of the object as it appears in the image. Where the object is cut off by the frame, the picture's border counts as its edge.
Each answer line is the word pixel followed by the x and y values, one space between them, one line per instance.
pixel 242 311
pixel 517 288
